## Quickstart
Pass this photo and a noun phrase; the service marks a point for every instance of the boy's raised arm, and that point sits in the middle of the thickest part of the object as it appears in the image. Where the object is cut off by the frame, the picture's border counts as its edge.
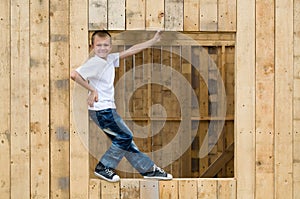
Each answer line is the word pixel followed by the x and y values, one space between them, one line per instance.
pixel 141 46
pixel 93 95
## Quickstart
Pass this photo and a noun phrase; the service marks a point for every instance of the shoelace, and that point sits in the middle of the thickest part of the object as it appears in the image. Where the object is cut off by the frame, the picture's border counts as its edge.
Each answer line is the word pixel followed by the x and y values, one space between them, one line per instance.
pixel 109 172
pixel 159 169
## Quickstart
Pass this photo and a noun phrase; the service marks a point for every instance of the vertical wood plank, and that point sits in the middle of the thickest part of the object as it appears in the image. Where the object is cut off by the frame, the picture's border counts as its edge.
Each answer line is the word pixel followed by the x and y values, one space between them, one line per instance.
pixel 130 188
pixel 283 98
pixel 245 100
pixel 174 15
pixel 168 189
pixel 94 189
pixel 191 12
pixel 79 139
pixel 155 15
pixel 208 15
pixel 97 14
pixel 59 99
pixel 296 114
pixel 207 189
pixel 204 104
pixel 39 99
pixel 116 14
pixel 188 189
pixel 149 189
pixel 264 100
pixel 185 140
pixel 135 15
pixel 226 189
pixel 20 64
pixel 296 164
pixel 110 190
pixel 5 99
pixel 226 15
pixel 176 66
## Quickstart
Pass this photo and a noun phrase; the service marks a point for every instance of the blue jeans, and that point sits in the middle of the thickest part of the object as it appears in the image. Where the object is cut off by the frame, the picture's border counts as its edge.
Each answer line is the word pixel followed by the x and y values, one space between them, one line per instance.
pixel 122 141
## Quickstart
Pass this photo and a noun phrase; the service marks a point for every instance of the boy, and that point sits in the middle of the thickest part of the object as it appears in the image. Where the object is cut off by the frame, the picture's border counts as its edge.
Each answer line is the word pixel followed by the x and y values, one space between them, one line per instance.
pixel 97 76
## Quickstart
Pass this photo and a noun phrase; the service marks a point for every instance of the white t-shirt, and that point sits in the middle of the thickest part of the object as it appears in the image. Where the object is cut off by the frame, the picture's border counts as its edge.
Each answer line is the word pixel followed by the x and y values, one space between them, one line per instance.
pixel 101 74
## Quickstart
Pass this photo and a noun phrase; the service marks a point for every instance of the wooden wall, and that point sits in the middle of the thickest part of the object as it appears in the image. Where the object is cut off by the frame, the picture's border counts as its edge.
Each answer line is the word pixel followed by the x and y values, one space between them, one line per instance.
pixel 41 154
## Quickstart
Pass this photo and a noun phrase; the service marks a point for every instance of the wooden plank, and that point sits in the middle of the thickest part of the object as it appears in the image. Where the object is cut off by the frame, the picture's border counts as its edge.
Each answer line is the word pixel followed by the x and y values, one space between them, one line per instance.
pixel 188 189
pixel 226 189
pixel 110 190
pixel 204 104
pixel 79 137
pixel 94 189
pixel 264 100
pixel 191 10
pixel 168 189
pixel 207 189
pixel 296 113
pixel 39 99
pixel 174 15
pixel 135 15
pixel 296 164
pixel 245 100
pixel 176 66
pixel 283 95
pixel 226 15
pixel 208 15
pixel 20 120
pixel 155 15
pixel 5 131
pixel 149 189
pixel 59 99
pixel 130 188
pixel 186 137
pixel 97 14
pixel 211 38
pixel 116 14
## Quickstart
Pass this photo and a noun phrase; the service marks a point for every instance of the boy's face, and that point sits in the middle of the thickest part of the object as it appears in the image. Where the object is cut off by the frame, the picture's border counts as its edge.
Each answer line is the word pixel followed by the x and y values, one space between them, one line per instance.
pixel 102 46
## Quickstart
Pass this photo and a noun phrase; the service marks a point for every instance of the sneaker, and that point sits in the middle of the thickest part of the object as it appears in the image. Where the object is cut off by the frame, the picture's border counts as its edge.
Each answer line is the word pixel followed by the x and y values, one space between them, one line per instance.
pixel 106 173
pixel 157 173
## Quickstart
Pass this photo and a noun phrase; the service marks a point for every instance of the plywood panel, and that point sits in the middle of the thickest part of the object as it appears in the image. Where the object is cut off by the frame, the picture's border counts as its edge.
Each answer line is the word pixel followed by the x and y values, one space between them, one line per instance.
pixel 191 15
pixel 245 100
pixel 283 95
pixel 174 15
pixel 79 151
pixel 20 63
pixel 116 14
pixel 59 99
pixel 135 15
pixel 97 14
pixel 208 15
pixel 155 15
pixel 39 99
